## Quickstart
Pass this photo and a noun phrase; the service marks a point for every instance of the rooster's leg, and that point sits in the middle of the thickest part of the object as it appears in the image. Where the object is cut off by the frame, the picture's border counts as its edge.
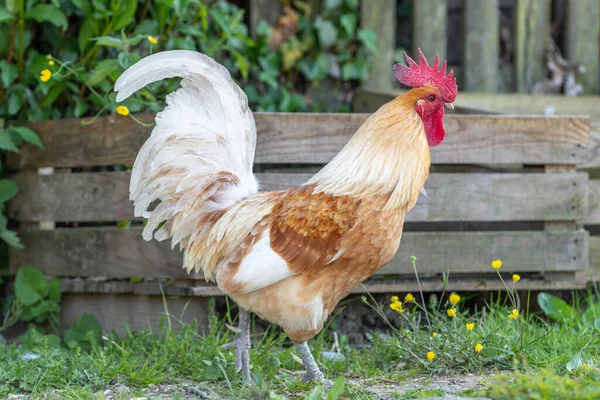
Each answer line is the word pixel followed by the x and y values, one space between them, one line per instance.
pixel 242 345
pixel 313 373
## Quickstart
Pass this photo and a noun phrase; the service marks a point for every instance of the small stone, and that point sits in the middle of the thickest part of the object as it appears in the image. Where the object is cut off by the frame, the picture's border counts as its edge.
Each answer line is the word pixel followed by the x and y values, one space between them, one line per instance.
pixel 107 392
pixel 120 388
pixel 196 392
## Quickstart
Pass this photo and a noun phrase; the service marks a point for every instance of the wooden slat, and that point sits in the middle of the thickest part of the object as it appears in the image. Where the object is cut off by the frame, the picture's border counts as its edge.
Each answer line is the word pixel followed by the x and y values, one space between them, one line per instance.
pixel 593 213
pixel 430 23
pixel 122 253
pixel 532 31
pixel 593 160
pixel 594 270
pixel 480 72
pixel 317 138
pixel 86 197
pixel 380 17
pixel 582 40
pixel 366 100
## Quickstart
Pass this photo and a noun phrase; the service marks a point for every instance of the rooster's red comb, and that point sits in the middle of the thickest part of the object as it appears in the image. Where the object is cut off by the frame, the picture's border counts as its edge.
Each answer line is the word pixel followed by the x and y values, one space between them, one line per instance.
pixel 421 74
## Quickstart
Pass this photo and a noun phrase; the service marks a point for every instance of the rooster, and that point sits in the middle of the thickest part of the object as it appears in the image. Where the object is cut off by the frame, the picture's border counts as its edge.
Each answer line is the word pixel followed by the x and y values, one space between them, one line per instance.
pixel 289 256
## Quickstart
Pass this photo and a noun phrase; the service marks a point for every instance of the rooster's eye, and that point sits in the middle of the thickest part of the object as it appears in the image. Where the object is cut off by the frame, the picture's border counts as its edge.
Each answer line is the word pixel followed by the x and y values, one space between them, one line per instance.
pixel 431 97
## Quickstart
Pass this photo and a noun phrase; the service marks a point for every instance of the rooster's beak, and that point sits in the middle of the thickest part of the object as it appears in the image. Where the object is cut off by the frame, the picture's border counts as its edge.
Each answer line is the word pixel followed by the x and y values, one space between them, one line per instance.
pixel 450 105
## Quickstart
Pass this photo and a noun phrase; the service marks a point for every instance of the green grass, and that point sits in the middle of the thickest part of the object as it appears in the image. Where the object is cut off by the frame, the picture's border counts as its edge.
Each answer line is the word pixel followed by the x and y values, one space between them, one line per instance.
pixel 566 349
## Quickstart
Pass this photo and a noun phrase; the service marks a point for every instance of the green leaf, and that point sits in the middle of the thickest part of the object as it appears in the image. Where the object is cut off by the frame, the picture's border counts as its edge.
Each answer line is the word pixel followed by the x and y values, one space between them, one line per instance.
pixel 15 102
pixel 125 14
pixel 6 143
pixel 331 4
pixel 52 94
pixel 30 285
pixel 85 6
pixel 597 323
pixel 85 332
pixel 109 41
pixel 54 293
pixel 8 190
pixel 337 389
pixel 5 15
pixel 348 22
pixel 555 308
pixel 368 38
pixel 3 222
pixel 89 29
pixel 126 60
pixel 28 135
pixel 11 238
pixel 353 4
pixel 48 13
pixel 9 73
pixel 102 70
pixel 327 33
pixel 242 63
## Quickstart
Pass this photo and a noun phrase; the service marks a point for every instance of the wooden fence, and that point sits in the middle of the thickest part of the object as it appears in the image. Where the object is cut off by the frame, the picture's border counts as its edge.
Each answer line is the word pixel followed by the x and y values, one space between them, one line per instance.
pixel 501 187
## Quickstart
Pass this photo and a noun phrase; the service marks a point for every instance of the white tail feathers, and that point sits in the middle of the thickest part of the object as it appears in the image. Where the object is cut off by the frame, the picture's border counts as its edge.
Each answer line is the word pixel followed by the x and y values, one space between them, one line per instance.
pixel 199 157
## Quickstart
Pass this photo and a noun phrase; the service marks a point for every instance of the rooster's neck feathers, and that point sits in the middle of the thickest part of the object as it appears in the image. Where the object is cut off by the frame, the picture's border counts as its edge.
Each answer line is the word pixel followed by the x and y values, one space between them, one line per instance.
pixel 388 155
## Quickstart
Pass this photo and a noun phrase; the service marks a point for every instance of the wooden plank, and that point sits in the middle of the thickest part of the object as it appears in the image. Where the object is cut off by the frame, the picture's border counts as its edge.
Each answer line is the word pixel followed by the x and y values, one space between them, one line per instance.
pixel 122 253
pixel 594 271
pixel 582 41
pixel 264 10
pixel 430 22
pixel 480 66
pixel 366 100
pixel 123 312
pixel 380 17
pixel 593 160
pixel 104 196
pixel 317 138
pixel 532 32
pixel 593 213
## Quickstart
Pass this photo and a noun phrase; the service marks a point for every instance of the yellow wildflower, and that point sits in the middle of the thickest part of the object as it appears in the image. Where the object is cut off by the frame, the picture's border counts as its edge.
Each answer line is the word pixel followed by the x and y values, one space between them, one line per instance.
pixel 454 299
pixel 122 110
pixel 397 306
pixel 153 39
pixel 430 355
pixel 496 264
pixel 451 312
pixel 516 278
pixel 409 298
pixel 434 334
pixel 478 347
pixel 394 299
pixel 470 326
pixel 45 75
pixel 51 63
pixel 514 314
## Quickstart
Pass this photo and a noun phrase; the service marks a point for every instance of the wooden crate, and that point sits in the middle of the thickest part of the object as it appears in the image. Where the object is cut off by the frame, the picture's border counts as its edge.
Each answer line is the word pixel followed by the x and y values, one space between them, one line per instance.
pixel 501 187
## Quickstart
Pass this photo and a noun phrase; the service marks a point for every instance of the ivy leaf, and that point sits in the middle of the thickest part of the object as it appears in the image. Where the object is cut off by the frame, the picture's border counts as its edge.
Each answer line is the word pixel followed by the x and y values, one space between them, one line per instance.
pixel 348 22
pixel 11 238
pixel 89 29
pixel 15 102
pixel 6 142
pixel 102 70
pixel 48 13
pixel 9 73
pixel 368 38
pixel 28 135
pixel 8 190
pixel 327 32
pixel 331 4
pixel 5 15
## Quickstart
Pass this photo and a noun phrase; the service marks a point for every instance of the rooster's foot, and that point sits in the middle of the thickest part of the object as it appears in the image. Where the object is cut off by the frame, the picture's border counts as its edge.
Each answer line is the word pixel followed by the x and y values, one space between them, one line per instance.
pixel 313 373
pixel 242 345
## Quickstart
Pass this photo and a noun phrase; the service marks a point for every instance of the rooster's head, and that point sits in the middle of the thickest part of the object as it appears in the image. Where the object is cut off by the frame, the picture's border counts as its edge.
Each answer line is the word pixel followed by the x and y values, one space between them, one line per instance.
pixel 440 91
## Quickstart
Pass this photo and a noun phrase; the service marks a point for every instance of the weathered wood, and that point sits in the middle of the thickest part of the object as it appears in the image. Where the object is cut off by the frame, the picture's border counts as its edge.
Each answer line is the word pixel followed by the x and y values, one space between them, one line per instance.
pixel 562 225
pixel 123 312
pixel 366 100
pixel 532 34
pixel 121 253
pixel 317 138
pixel 582 41
pixel 380 17
pixel 264 10
pixel 430 21
pixel 593 214
pixel 482 42
pixel 86 197
pixel 593 160
pixel 594 270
